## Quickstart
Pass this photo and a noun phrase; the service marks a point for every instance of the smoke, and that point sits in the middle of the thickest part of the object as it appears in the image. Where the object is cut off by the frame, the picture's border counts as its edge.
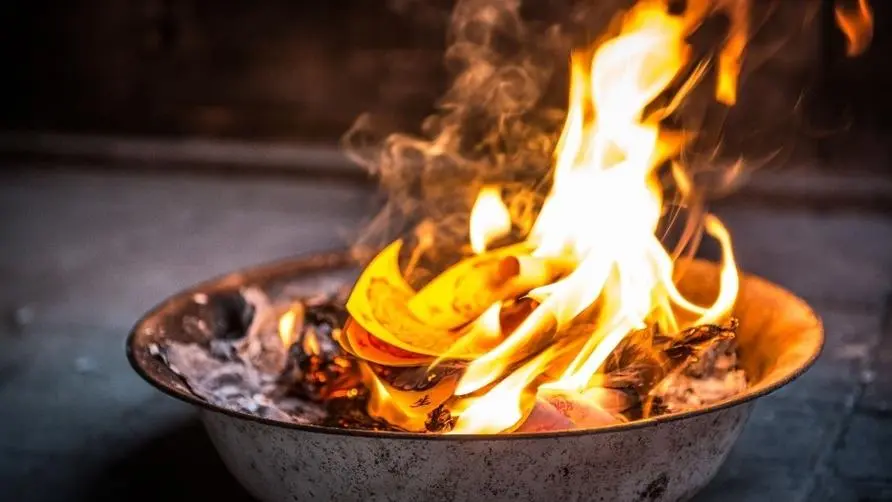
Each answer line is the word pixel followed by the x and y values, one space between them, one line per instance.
pixel 499 120
pixel 490 127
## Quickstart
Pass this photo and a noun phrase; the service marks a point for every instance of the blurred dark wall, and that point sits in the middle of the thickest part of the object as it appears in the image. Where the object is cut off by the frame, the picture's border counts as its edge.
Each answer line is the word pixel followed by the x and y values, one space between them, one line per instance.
pixel 860 87
pixel 263 69
pixel 285 69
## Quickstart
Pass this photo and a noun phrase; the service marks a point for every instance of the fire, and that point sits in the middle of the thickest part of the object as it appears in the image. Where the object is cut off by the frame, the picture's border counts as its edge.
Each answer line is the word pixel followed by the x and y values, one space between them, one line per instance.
pixel 856 24
pixel 287 327
pixel 489 219
pixel 604 167
pixel 592 269
pixel 310 344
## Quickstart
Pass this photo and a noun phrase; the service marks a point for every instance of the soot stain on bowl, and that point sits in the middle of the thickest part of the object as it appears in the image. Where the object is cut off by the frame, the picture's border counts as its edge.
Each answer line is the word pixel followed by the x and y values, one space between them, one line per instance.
pixel 656 488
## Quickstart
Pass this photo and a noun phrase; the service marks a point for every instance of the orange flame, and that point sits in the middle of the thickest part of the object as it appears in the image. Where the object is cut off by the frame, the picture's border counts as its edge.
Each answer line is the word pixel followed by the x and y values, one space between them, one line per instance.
pixel 286 327
pixel 856 24
pixel 310 344
pixel 592 260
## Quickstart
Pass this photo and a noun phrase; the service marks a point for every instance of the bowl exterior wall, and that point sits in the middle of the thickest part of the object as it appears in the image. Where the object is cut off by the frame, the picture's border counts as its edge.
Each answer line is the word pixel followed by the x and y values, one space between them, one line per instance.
pixel 663 461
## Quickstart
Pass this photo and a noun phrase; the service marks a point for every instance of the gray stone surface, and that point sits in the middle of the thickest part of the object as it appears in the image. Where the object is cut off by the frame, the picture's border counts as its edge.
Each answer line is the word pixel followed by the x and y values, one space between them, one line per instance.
pixel 878 389
pixel 858 458
pixel 99 250
pixel 83 255
pixel 838 259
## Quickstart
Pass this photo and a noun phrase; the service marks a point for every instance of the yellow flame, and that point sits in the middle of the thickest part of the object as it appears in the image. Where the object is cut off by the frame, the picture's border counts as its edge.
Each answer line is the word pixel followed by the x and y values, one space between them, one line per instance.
pixel 503 406
pixel 383 404
pixel 857 25
pixel 286 327
pixel 592 252
pixel 603 211
pixel 489 219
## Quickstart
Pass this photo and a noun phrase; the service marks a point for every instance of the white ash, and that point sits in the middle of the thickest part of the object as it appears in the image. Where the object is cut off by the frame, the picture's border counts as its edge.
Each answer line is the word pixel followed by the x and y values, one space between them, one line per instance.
pixel 242 374
pixel 235 385
pixel 710 378
pixel 262 345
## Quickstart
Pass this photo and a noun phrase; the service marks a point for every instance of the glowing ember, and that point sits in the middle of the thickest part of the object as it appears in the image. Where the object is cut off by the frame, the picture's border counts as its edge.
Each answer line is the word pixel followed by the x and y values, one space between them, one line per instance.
pixel 591 271
pixel 287 327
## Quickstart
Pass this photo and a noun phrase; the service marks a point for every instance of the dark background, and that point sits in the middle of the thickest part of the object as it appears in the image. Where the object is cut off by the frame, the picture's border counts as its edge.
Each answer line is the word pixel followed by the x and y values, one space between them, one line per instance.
pixel 274 69
pixel 284 70
pixel 146 145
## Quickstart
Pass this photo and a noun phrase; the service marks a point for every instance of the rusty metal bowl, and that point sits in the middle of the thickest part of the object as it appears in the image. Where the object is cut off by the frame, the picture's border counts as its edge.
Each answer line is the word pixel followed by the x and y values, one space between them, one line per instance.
pixel 670 457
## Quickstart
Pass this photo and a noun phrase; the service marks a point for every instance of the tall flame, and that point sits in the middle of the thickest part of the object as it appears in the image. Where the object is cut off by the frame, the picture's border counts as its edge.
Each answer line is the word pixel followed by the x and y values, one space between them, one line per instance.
pixel 602 213
pixel 592 260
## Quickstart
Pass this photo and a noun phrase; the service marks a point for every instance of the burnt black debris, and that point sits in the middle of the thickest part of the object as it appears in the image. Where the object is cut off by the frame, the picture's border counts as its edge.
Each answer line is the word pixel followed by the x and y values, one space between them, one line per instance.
pixel 350 413
pixel 698 340
pixel 706 371
pixel 677 372
pixel 439 420
pixel 317 368
pixel 225 315
pixel 325 318
pixel 419 378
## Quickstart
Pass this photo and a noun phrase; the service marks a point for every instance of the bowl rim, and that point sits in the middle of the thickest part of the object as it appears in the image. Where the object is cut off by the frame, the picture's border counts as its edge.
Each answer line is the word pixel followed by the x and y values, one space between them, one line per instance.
pixel 331 260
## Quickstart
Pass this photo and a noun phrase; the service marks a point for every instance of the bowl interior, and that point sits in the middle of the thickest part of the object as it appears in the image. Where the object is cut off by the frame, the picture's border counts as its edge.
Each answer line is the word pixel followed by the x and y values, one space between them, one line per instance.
pixel 779 335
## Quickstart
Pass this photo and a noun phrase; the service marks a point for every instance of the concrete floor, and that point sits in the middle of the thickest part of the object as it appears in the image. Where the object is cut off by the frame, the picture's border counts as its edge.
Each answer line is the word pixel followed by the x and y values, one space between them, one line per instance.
pixel 84 254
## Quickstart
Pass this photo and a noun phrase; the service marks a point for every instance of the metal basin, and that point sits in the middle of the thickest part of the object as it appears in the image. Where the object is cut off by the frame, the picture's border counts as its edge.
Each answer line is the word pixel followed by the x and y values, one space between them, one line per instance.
pixel 670 457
